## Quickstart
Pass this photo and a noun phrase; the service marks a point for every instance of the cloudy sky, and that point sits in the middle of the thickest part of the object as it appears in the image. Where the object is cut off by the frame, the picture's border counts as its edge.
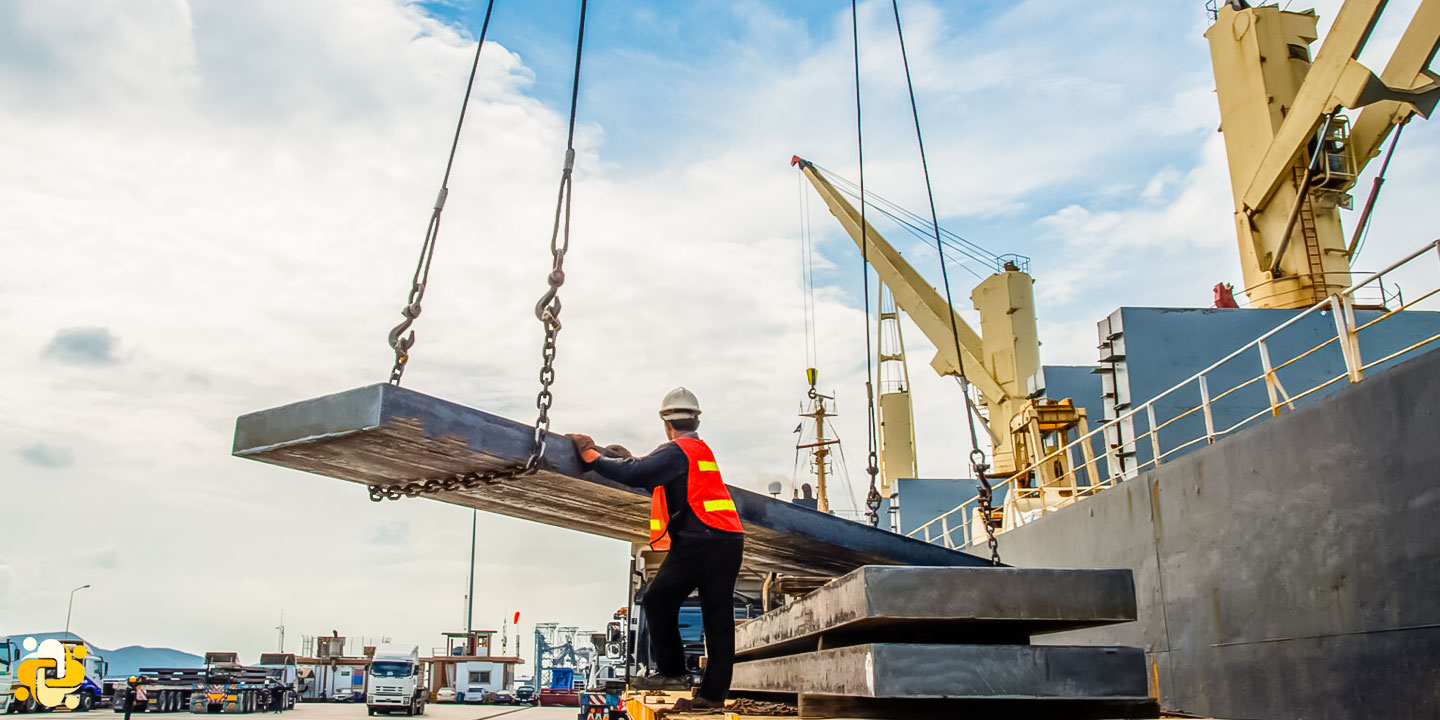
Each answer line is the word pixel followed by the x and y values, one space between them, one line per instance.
pixel 208 208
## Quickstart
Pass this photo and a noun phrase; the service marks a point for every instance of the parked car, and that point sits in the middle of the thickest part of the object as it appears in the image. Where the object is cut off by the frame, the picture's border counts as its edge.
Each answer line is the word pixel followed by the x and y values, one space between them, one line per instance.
pixel 501 697
pixel 474 697
pixel 524 695
pixel 348 695
pixel 445 695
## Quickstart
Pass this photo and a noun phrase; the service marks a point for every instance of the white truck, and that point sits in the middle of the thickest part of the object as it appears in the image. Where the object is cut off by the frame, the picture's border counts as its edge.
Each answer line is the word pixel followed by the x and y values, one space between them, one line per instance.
pixel 8 659
pixel 395 681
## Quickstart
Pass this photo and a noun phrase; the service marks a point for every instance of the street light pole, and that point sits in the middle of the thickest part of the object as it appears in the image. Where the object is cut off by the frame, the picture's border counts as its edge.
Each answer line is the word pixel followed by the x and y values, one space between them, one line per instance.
pixel 470 590
pixel 71 606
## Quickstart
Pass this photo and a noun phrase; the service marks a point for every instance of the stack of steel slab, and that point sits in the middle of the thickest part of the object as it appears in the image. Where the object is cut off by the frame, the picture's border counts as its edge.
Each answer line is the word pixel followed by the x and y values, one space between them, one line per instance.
pixel 384 435
pixel 945 641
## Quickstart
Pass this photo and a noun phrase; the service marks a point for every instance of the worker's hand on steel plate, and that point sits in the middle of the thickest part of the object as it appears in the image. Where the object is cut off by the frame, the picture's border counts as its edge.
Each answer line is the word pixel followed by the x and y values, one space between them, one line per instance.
pixel 618 451
pixel 582 442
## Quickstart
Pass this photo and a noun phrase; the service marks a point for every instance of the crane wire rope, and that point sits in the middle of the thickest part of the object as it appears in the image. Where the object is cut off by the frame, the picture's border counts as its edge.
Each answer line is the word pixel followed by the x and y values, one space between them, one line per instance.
pixel 399 341
pixel 872 499
pixel 913 221
pixel 807 275
pixel 547 311
pixel 845 471
pixel 977 456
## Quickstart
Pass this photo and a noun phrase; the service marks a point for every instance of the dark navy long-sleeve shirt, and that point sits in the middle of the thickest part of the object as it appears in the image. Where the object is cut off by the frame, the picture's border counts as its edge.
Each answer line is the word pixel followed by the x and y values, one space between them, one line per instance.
pixel 666 466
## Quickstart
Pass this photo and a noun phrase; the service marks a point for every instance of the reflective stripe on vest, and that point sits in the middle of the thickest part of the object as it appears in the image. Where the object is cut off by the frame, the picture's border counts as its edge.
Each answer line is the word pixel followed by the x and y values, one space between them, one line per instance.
pixel 659 516
pixel 706 494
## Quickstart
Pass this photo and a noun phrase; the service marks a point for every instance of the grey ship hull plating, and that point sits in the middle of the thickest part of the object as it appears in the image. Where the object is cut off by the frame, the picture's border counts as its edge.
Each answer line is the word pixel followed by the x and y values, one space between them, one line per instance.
pixel 1291 570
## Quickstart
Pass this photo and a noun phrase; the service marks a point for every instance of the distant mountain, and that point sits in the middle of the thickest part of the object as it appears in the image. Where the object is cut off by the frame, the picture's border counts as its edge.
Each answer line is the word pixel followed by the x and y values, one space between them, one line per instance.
pixel 126 660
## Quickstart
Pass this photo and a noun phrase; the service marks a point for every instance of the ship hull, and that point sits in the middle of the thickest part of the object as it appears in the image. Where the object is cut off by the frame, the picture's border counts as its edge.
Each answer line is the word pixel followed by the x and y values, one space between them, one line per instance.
pixel 1291 570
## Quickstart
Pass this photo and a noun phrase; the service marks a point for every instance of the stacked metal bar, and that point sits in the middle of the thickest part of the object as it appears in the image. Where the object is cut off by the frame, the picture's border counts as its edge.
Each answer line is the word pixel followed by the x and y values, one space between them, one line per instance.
pixel 383 435
pixel 948 642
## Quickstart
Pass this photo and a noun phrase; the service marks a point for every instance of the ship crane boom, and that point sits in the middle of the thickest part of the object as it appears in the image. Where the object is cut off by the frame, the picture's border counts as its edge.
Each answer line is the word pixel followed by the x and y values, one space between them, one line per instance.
pixel 1002 361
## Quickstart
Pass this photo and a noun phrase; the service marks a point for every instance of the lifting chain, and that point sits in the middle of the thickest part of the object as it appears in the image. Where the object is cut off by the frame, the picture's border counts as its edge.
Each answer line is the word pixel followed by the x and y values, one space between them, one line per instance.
pixel 872 502
pixel 547 310
pixel 986 502
pixel 458 481
pixel 872 498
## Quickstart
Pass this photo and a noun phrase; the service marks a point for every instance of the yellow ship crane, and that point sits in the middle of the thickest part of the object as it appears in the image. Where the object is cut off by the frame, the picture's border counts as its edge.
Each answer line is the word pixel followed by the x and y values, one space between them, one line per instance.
pixel 1002 361
pixel 1293 155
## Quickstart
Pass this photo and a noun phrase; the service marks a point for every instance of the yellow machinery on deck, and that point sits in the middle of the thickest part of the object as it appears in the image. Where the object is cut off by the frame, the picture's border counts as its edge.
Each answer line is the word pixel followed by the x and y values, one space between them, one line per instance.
pixel 1293 155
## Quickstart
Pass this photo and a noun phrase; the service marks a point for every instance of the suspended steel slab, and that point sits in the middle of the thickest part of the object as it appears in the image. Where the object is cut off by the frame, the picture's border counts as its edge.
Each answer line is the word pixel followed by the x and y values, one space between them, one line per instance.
pixel 940 605
pixel 384 435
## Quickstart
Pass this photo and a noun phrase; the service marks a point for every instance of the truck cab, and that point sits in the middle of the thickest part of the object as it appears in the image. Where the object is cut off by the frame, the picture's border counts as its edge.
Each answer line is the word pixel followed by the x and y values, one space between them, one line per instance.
pixel 8 659
pixel 282 671
pixel 90 691
pixel 394 681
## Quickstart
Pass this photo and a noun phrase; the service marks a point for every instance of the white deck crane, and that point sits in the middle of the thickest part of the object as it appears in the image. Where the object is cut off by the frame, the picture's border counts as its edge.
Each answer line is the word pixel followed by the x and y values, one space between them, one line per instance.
pixel 1293 156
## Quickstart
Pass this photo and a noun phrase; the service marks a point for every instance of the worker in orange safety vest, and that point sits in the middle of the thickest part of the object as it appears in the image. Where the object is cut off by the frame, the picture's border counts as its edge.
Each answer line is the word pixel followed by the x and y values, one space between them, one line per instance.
pixel 693 516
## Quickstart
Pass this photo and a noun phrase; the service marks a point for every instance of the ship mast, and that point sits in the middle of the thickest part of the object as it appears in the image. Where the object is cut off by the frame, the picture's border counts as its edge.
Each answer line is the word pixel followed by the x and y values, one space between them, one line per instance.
pixel 820 447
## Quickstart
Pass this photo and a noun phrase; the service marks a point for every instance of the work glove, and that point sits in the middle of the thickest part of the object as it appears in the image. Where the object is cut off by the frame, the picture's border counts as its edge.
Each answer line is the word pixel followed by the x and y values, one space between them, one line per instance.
pixel 618 451
pixel 585 446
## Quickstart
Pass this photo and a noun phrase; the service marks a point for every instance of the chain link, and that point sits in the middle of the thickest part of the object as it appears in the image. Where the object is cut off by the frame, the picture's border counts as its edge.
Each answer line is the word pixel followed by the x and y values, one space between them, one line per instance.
pixel 547 311
pixel 872 498
pixel 986 496
pixel 872 501
pixel 449 483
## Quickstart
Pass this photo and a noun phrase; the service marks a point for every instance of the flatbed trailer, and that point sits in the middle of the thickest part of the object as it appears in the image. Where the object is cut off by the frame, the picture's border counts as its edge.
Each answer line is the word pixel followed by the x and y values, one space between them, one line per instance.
pixel 166 689
pixel 233 689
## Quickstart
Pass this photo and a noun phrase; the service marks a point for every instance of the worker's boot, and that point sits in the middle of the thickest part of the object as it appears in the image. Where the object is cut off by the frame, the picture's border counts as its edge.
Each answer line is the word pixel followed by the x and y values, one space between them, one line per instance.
pixel 660 682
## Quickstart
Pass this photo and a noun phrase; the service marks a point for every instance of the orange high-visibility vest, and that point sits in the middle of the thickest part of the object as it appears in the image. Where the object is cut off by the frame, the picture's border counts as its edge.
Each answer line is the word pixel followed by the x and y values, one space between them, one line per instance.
pixel 705 491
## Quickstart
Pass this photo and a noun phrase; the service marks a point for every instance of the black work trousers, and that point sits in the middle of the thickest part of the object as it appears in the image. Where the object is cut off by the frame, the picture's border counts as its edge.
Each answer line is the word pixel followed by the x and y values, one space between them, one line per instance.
pixel 711 566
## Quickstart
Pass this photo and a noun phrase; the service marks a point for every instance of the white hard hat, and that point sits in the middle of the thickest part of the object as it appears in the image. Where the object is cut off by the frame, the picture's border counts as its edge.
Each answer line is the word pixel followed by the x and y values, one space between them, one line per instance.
pixel 679 404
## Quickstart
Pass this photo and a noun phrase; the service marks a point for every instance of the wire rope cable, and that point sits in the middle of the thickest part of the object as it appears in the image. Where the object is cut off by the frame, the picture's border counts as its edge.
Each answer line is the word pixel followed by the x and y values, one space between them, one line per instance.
pixel 400 341
pixel 1362 225
pixel 912 221
pixel 872 500
pixel 977 456
pixel 807 275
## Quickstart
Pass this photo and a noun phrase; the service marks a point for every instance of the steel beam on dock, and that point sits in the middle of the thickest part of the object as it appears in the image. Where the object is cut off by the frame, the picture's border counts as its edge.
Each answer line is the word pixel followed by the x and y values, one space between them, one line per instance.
pixel 384 434
pixel 1062 680
pixel 941 605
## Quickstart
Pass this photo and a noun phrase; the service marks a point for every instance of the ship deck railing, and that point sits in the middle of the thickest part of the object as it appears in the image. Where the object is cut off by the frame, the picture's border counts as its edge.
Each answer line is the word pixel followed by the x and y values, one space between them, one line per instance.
pixel 1024 500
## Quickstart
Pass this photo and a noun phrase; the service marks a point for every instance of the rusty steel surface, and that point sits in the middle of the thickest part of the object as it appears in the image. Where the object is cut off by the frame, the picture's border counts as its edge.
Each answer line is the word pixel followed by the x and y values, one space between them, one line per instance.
pixel 384 434
pixel 941 605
